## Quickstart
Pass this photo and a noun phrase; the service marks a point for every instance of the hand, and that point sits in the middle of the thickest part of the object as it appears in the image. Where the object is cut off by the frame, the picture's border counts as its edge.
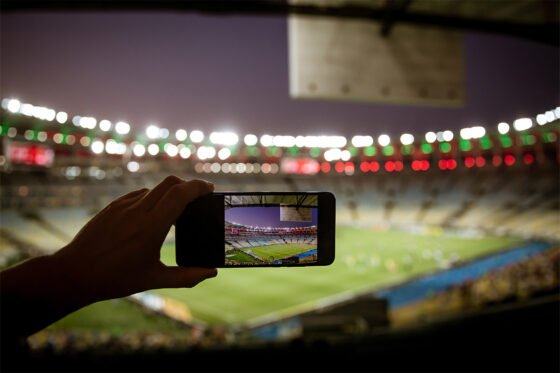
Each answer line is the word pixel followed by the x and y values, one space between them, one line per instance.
pixel 117 253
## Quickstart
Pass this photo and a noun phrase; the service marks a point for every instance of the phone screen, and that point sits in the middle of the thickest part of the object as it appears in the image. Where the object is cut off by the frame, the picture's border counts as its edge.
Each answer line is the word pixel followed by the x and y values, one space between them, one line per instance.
pixel 270 229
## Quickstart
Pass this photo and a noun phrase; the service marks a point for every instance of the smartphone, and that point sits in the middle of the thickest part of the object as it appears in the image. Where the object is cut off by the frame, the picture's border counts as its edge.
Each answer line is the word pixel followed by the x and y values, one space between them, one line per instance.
pixel 266 229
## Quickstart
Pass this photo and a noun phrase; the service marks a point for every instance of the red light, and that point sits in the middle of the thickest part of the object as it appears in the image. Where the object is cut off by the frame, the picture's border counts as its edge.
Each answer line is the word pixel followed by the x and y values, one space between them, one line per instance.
pixel 374 166
pixel 509 160
pixel 339 166
pixel 528 159
pixel 480 161
pixel 349 167
pixel 451 164
pixel 390 166
pixel 425 165
pixel 497 161
pixel 469 162
pixel 398 166
pixel 325 167
pixel 416 165
pixel 364 166
pixel 442 164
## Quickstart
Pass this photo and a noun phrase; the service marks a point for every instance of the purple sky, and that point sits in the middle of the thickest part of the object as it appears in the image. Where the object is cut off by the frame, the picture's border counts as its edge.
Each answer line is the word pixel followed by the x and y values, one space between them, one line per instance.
pixel 217 73
pixel 264 217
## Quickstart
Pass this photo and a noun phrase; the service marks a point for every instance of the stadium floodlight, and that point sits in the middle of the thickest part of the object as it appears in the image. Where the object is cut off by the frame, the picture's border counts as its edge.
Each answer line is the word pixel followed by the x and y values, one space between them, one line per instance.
pixel 153 149
pixel 185 153
pixel 407 139
pixel 13 105
pixel 163 133
pixel 171 149
pixel 325 141
pixel 300 141
pixel 97 146
pixel 550 116
pixel 332 155
pixel 197 136
pixel 267 140
pixel 522 124
pixel 503 128
pixel 431 137
pixel 541 119
pixel 250 140
pixel 26 109
pixel 111 146
pixel 61 117
pixel 224 154
pixel 447 135
pixel 205 152
pixel 105 125
pixel 133 166
pixel 384 140
pixel 362 141
pixel 122 128
pixel 152 131
pixel 139 150
pixel 181 135
pixel 475 132
pixel 284 141
pixel 224 138
pixel 557 112
pixel 345 155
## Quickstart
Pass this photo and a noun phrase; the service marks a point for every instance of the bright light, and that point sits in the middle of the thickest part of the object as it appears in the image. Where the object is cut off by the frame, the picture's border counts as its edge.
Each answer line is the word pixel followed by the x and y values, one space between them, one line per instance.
pixel 224 138
pixel 13 105
pixel 105 125
pixel 541 119
pixel 133 166
pixel 324 141
pixel 88 122
pixel 475 132
pixel 197 136
pixel 139 150
pixel 122 128
pixel 181 135
pixel 300 141
pixel 447 135
pixel 152 131
pixel 250 140
pixel 345 155
pixel 431 137
pixel 407 139
pixel 97 146
pixel 522 124
pixel 224 154
pixel 205 152
pixel 267 140
pixel 61 117
pixel 503 128
pixel 171 149
pixel 362 141
pixel 26 109
pixel 163 133
pixel 284 141
pixel 384 140
pixel 153 149
pixel 185 153
pixel 332 155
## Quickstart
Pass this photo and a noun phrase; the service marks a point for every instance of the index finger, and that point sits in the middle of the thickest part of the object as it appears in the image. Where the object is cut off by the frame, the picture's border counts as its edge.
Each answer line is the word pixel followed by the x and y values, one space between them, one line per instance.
pixel 177 197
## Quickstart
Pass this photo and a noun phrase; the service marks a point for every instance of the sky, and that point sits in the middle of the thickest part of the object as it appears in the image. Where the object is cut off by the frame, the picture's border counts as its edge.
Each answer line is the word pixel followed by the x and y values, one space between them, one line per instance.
pixel 264 217
pixel 182 70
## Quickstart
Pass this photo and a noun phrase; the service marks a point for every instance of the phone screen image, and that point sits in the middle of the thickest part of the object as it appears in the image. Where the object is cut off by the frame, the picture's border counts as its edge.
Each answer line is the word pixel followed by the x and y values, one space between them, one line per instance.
pixel 267 229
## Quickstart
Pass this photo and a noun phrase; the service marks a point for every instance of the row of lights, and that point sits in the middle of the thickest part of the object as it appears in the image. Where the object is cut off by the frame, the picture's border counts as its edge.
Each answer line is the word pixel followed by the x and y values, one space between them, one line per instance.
pixel 153 131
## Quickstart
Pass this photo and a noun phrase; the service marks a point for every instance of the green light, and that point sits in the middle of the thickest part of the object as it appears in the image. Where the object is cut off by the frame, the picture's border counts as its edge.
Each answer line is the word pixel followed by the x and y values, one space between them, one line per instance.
pixel 528 139
pixel 406 149
pixel 272 151
pixel 315 152
pixel 388 150
pixel 445 147
pixel 370 151
pixel 549 137
pixel 506 141
pixel 293 151
pixel 465 145
pixel 353 151
pixel 426 148
pixel 485 143
pixel 4 130
pixel 252 151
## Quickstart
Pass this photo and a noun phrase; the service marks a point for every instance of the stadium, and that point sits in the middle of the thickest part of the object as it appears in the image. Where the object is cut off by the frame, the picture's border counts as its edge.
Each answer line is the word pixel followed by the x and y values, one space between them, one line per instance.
pixel 447 240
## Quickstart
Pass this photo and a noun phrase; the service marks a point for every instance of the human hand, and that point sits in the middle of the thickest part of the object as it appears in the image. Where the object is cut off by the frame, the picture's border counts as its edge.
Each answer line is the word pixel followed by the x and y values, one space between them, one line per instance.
pixel 117 253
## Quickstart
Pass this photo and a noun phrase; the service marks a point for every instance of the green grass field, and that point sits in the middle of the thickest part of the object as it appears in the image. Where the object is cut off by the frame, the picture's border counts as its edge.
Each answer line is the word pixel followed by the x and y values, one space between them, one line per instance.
pixel 271 253
pixel 365 260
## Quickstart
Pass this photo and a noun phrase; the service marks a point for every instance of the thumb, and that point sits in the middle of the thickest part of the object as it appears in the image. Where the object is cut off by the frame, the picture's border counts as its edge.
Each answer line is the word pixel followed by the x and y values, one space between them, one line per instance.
pixel 184 277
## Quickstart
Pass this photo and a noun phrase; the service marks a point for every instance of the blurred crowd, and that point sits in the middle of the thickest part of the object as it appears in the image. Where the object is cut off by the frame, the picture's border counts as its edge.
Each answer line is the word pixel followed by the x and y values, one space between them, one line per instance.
pixel 538 274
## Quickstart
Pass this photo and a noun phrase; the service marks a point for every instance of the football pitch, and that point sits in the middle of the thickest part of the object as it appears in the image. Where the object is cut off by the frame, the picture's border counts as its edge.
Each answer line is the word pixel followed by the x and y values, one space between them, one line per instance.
pixel 365 260
pixel 270 253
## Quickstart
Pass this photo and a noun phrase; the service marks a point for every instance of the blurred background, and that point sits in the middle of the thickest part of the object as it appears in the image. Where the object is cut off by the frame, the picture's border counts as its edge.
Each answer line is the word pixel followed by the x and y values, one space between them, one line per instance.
pixel 434 123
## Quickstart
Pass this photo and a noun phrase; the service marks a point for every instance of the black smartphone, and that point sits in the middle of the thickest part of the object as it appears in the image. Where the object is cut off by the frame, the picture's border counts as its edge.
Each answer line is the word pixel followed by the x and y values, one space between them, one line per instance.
pixel 266 229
